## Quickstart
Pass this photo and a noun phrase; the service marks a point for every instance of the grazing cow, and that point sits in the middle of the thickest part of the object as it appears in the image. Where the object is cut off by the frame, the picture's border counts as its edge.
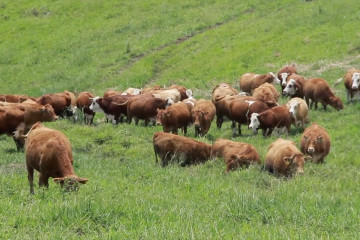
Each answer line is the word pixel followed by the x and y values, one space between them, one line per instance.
pixel 172 94
pixel 267 94
pixel 183 91
pixel 13 98
pixel 174 147
pixel 298 110
pixel 49 152
pixel 318 90
pixel 295 86
pixel 284 158
pixel 174 117
pixel 315 142
pixel 144 106
pixel 150 90
pixel 61 102
pixel 17 118
pixel 277 117
pixel 221 90
pixel 202 115
pixel 131 91
pixel 190 101
pixel 249 81
pixel 84 101
pixel 235 154
pixel 111 93
pixel 114 107
pixel 241 110
pixel 352 84
pixel 284 73
pixel 223 108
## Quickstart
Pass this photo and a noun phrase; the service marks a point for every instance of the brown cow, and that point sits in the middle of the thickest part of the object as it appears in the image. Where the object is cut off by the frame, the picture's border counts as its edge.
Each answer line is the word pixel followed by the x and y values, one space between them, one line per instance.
pixel 144 106
pixel 235 154
pixel 49 152
pixel 318 90
pixel 111 93
pixel 295 86
pixel 61 102
pixel 249 81
pixel 202 115
pixel 284 158
pixel 315 142
pixel 241 109
pixel 190 103
pixel 284 73
pixel 13 98
pixel 170 146
pixel 352 84
pixel 221 90
pixel 267 94
pixel 18 118
pixel 149 90
pixel 84 101
pixel 273 118
pixel 174 117
pixel 223 108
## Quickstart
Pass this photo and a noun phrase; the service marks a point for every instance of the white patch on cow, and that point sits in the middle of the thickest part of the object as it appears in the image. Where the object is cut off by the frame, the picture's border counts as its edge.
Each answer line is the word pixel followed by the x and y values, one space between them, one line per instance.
pixel 189 93
pixel 275 79
pixel 137 91
pixel 169 102
pixel 254 122
pixel 290 87
pixel 124 93
pixel 294 105
pixel 187 101
pixel 243 94
pixel 284 77
pixel 356 81
pixel 250 103
pixel 95 107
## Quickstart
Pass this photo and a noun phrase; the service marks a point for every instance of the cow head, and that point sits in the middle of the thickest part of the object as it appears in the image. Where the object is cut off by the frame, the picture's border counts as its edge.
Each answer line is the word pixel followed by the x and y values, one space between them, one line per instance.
pixel 291 87
pixel 189 93
pixel 169 102
pixel 95 107
pixel 70 182
pixel 48 113
pixel 198 116
pixel 283 77
pixel 275 79
pixel 311 142
pixel 159 116
pixel 356 80
pixel 254 122
pixel 336 103
pixel 294 106
pixel 295 163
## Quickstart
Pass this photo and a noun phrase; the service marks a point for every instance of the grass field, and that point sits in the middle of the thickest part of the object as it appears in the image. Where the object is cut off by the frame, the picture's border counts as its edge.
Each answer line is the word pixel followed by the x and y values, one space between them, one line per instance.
pixel 50 46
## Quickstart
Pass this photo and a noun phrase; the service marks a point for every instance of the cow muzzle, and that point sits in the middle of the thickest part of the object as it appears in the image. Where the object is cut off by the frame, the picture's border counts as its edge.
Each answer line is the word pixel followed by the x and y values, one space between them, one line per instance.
pixel 311 150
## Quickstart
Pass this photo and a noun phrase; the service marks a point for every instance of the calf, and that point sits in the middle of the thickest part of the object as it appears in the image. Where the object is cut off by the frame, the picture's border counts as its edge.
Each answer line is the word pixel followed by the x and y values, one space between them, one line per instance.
pixel 169 146
pixel 49 152
pixel 174 117
pixel 241 109
pixel 318 90
pixel 295 86
pixel 277 117
pixel 235 154
pixel 284 159
pixel 315 142
pixel 267 94
pixel 249 81
pixel 352 84
pixel 284 73
pixel 84 101
pixel 298 110
pixel 202 115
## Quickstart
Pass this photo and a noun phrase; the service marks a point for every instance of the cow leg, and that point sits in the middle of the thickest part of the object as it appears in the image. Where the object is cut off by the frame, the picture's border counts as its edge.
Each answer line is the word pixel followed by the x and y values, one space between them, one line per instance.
pixel 43 180
pixel 219 121
pixel 185 130
pixel 324 105
pixel 136 120
pixel 239 129
pixel 146 122
pixel 307 101
pixel 348 96
pixel 233 126
pixel 30 171
pixel 316 104
pixel 19 142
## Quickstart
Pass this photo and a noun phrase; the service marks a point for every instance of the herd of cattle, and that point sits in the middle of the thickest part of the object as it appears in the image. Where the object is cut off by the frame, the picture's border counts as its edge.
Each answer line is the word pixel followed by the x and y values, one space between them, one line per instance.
pixel 49 151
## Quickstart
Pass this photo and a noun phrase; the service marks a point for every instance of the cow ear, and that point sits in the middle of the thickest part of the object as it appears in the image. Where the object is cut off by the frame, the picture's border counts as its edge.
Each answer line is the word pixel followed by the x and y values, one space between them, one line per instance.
pixel 59 180
pixel 287 160
pixel 319 139
pixel 42 109
pixel 306 137
pixel 81 180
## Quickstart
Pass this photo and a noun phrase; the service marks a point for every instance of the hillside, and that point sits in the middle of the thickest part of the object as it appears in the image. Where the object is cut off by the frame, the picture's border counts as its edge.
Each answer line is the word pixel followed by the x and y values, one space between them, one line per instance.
pixel 50 46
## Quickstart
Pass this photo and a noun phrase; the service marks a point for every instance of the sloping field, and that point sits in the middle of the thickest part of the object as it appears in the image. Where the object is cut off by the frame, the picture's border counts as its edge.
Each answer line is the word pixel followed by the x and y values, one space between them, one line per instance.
pixel 50 46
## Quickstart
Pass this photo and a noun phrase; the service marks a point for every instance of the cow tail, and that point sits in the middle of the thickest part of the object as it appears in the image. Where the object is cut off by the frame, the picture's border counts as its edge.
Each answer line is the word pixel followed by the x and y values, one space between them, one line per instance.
pixel 338 81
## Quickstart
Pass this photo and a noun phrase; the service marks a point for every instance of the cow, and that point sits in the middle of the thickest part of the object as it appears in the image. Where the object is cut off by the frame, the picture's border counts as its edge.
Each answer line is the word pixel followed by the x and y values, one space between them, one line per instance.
pixel 273 118
pixel 144 106
pixel 114 107
pixel 315 142
pixel 174 147
pixel 235 154
pixel 150 90
pixel 174 117
pixel 284 158
pixel 267 94
pixel 49 152
pixel 190 100
pixel 13 98
pixel 242 108
pixel 284 73
pixel 183 91
pixel 318 90
pixel 172 94
pixel 249 81
pixel 221 90
pixel 352 84
pixel 111 93
pixel 84 101
pixel 61 102
pixel 131 91
pixel 295 86
pixel 298 110
pixel 202 115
